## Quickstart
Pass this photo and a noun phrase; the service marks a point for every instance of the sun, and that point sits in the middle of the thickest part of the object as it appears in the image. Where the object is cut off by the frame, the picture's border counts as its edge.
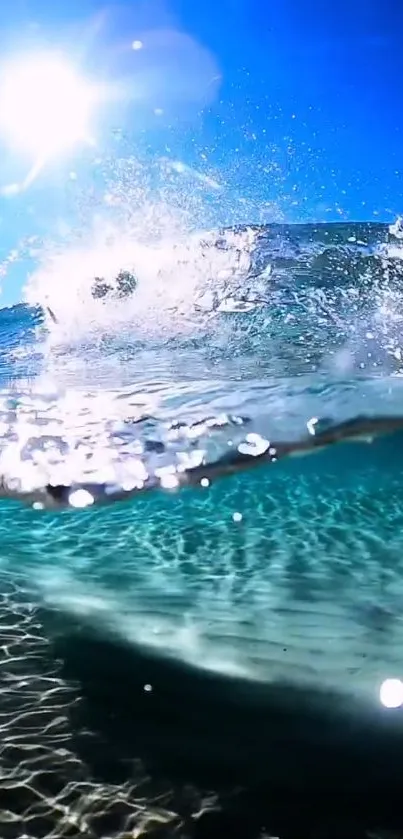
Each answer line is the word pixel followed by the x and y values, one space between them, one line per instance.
pixel 45 105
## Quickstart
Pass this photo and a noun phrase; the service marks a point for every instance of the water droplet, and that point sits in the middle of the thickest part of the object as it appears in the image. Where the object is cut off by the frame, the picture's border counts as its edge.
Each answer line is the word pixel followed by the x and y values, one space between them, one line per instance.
pixel 311 424
pixel 254 445
pixel 391 693
pixel 81 498
pixel 169 481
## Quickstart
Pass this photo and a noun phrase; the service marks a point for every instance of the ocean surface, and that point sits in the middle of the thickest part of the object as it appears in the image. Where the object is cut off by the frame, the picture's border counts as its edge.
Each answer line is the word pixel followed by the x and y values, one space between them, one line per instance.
pixel 201 538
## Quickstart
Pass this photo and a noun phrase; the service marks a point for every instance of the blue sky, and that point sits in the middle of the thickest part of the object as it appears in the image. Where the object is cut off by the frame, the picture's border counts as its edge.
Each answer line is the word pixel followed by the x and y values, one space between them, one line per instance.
pixel 296 107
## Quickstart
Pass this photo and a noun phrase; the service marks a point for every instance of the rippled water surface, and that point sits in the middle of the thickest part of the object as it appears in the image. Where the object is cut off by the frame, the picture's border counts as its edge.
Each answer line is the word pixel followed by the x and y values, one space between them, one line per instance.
pixel 206 475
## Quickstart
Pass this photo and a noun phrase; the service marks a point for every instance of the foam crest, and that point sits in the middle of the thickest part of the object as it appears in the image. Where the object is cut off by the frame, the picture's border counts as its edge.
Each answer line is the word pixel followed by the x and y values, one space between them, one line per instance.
pixel 177 274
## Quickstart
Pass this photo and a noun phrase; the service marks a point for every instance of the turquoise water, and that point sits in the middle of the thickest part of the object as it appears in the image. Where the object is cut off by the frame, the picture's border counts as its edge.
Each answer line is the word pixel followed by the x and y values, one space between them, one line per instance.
pixel 201 549
pixel 287 572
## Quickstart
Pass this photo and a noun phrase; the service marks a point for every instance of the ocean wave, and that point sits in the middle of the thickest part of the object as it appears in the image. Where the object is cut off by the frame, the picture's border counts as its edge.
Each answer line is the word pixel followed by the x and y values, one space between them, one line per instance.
pixel 237 349
pixel 245 291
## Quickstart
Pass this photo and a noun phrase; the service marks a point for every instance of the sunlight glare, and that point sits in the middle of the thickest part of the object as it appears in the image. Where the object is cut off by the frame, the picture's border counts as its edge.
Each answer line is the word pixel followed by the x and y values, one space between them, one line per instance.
pixel 45 106
pixel 391 693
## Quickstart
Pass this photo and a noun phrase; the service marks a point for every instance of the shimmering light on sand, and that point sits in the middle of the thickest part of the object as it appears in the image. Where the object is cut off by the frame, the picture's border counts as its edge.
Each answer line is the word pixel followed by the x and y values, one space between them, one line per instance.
pixel 391 693
pixel 81 498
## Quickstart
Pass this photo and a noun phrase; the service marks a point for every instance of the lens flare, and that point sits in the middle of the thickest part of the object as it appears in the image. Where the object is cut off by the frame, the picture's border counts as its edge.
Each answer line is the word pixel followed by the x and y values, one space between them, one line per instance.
pixel 45 106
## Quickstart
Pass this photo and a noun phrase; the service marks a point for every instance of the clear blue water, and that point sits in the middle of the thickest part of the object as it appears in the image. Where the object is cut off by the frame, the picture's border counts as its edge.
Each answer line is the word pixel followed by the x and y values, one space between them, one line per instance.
pixel 202 497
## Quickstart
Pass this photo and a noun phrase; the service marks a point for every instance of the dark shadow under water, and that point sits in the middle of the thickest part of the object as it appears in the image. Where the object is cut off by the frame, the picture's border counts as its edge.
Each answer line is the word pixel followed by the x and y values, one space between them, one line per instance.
pixel 88 749
pixel 284 761
pixel 95 733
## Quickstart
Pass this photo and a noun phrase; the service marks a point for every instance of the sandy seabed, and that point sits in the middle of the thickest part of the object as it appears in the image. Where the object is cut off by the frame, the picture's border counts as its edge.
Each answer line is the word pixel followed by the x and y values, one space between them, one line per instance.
pixel 97 740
